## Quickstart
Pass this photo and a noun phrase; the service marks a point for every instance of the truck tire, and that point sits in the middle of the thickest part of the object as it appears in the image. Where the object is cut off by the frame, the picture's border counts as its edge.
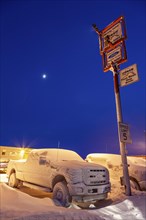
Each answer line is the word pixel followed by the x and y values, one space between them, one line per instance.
pixel 13 181
pixel 61 195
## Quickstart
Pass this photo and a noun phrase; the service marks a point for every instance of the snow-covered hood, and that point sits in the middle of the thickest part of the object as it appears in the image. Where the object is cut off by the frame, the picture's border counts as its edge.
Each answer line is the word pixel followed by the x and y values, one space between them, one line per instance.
pixel 78 171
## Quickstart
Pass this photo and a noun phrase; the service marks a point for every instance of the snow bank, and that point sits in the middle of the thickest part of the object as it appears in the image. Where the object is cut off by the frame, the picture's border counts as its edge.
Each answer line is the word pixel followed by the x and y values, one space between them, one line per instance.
pixel 3 178
pixel 16 205
pixel 132 208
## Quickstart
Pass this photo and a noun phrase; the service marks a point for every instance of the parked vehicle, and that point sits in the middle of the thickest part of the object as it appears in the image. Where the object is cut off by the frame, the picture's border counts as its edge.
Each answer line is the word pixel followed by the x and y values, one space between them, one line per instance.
pixel 63 172
pixel 3 166
pixel 8 153
pixel 136 167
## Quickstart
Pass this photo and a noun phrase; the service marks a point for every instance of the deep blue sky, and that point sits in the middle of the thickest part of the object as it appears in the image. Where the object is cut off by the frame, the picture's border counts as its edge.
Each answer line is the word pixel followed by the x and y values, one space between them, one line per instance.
pixel 75 104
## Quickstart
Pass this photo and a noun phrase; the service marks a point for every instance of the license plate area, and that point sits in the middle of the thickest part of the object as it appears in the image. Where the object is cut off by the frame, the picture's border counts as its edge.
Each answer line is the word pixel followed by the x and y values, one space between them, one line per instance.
pixel 92 190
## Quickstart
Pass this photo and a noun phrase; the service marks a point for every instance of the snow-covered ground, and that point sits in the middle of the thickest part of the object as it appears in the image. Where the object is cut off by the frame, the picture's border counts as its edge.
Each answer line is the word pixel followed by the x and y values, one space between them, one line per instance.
pixel 19 205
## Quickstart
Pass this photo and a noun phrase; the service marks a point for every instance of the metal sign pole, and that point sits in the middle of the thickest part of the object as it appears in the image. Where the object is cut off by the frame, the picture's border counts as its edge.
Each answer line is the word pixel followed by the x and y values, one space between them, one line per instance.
pixel 114 69
pixel 113 51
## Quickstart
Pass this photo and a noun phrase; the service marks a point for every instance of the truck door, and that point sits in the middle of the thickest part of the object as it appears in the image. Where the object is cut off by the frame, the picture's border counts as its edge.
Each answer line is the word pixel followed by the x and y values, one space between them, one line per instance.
pixel 37 169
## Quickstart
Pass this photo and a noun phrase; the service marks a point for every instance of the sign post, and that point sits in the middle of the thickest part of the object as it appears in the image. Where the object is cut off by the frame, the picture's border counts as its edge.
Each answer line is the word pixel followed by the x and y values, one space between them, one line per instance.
pixel 114 69
pixel 113 52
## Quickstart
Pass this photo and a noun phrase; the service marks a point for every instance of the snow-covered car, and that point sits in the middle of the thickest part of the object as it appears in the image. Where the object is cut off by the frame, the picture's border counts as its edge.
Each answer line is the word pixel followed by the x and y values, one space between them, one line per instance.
pixel 136 167
pixel 63 172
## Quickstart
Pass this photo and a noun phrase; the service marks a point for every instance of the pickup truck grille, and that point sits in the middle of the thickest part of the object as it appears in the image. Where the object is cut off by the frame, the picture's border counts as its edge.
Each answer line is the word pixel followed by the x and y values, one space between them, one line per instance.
pixel 95 176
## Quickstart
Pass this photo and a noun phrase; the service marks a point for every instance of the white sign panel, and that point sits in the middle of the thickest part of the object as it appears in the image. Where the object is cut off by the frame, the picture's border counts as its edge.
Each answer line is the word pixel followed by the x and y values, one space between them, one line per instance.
pixel 124 133
pixel 129 75
pixel 114 34
pixel 114 55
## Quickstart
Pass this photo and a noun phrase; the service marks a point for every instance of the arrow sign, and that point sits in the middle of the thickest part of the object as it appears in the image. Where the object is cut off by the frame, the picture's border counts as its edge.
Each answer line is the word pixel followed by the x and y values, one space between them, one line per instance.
pixel 129 75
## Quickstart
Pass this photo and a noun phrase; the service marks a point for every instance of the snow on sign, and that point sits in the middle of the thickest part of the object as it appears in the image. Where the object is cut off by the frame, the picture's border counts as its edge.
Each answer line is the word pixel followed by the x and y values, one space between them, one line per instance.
pixel 129 75
pixel 124 133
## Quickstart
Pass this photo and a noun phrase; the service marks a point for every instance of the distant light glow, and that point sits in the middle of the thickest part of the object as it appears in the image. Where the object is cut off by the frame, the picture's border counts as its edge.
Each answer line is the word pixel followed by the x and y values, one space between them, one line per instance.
pixel 22 152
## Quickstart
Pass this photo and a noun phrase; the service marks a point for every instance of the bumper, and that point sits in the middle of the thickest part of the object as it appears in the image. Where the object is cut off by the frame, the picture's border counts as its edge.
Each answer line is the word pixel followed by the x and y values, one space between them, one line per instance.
pixel 82 193
pixel 89 199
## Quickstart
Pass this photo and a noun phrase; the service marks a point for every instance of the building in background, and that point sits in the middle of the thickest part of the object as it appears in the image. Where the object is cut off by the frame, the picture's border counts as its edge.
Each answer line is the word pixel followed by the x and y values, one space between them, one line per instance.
pixel 8 153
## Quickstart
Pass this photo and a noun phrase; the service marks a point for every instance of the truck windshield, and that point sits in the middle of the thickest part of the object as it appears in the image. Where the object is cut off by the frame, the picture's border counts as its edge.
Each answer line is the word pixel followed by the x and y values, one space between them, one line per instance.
pixel 66 155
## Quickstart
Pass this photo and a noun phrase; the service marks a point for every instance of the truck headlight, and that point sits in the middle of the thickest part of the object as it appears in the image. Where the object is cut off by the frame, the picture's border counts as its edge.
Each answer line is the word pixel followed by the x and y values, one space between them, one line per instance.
pixel 79 190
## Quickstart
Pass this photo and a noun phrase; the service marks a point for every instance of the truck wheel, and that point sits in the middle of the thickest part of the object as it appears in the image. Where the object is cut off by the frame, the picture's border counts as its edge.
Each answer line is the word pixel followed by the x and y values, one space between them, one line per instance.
pixel 13 181
pixel 61 194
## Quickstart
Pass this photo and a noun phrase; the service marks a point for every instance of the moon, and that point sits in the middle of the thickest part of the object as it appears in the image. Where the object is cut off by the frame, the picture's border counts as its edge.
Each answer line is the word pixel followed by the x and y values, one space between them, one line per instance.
pixel 44 75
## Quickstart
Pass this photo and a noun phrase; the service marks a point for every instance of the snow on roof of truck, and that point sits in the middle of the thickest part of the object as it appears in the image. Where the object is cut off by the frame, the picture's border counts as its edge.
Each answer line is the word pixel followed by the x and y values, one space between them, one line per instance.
pixel 57 154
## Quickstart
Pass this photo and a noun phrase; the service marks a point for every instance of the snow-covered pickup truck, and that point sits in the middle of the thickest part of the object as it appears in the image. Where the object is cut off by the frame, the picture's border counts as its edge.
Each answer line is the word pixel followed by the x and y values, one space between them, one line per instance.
pixel 63 172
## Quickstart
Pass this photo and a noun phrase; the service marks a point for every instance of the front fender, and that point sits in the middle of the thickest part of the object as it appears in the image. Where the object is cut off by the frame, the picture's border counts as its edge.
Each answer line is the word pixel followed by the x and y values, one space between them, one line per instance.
pixel 56 179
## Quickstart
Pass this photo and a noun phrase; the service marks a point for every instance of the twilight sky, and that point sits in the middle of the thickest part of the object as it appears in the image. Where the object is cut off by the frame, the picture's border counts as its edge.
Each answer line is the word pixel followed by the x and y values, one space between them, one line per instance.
pixel 52 85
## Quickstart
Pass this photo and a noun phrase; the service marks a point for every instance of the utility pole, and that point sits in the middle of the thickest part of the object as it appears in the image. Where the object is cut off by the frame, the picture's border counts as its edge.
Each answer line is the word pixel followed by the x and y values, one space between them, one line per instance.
pixel 114 69
pixel 113 52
